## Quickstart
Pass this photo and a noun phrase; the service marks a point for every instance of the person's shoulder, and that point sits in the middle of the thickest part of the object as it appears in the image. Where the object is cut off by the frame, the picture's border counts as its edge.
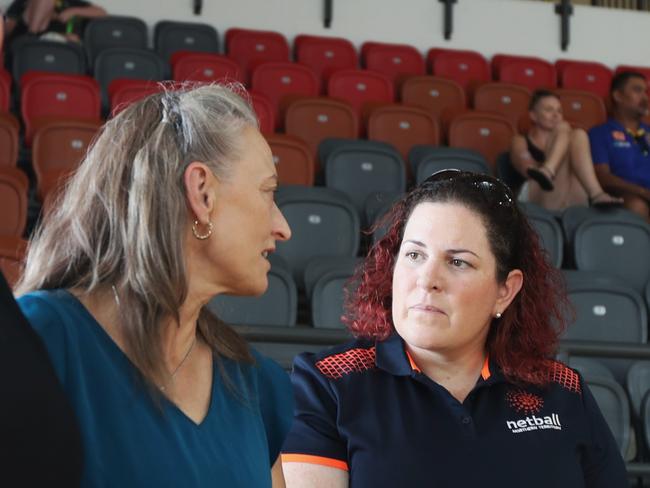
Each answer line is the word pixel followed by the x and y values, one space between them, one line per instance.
pixel 339 361
pixel 45 308
pixel 560 375
pixel 602 129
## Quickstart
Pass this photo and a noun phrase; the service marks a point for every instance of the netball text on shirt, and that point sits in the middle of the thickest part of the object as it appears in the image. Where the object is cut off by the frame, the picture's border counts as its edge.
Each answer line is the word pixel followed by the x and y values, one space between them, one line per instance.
pixel 533 422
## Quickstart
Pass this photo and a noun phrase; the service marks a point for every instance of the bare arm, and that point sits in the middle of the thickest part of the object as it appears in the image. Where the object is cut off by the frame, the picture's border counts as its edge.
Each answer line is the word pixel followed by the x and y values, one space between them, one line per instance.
pixel 306 475
pixel 618 186
pixel 277 476
pixel 89 12
pixel 520 156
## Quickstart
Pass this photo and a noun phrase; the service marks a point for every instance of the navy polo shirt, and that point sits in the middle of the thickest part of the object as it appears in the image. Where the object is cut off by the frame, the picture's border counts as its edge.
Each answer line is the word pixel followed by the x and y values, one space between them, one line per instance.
pixel 364 407
pixel 628 159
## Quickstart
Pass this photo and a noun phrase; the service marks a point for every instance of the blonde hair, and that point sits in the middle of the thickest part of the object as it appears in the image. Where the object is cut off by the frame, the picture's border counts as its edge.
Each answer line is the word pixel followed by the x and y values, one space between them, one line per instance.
pixel 123 215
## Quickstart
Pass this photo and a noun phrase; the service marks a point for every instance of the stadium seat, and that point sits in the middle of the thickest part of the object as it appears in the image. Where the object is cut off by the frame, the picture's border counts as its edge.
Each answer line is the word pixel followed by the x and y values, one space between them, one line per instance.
pixel 29 53
pixel 293 159
pixel 507 173
pixel 323 222
pixel 582 108
pixel 647 295
pixel 506 99
pixel 396 61
pixel 426 160
pixel 137 64
pixel 5 90
pixel 584 75
pixel 251 47
pixel 114 31
pixel 58 148
pixel 9 128
pixel 377 204
pixel 279 80
pixel 324 55
pixel 359 168
pixel 327 299
pixel 441 97
pixel 590 367
pixel 549 231
pixel 362 89
pixel 54 95
pixel 124 91
pixel 573 216
pixel 464 67
pixel 487 133
pixel 320 265
pixel 614 406
pixel 172 36
pixel 616 247
pixel 204 67
pixel 265 112
pixel 277 306
pixel 13 201
pixel 528 71
pixel 12 254
pixel 316 119
pixel 637 383
pixel 403 127
pixel 605 310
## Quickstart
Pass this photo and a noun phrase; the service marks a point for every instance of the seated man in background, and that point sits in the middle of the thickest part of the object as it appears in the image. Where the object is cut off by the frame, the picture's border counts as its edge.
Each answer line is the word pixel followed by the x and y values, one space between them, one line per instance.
pixel 621 146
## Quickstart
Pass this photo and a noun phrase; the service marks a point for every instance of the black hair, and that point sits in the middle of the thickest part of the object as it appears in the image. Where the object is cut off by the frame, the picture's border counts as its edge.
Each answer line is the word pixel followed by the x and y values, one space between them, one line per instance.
pixel 620 80
pixel 538 95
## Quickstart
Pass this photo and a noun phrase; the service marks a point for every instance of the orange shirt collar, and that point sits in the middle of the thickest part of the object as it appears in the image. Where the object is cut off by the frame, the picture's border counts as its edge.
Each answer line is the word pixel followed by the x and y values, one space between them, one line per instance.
pixel 485 371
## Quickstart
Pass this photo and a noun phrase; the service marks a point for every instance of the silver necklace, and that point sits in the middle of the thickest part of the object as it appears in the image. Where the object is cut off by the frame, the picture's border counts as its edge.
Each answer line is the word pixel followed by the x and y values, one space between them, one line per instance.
pixel 180 365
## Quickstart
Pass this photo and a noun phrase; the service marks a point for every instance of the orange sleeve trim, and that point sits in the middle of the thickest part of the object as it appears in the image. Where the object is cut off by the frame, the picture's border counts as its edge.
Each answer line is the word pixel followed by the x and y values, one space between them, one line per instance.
pixel 308 458
pixel 485 372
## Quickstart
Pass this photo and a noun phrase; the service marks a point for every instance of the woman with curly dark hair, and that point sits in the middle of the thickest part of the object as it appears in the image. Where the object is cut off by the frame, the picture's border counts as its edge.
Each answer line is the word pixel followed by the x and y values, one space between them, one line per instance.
pixel 451 380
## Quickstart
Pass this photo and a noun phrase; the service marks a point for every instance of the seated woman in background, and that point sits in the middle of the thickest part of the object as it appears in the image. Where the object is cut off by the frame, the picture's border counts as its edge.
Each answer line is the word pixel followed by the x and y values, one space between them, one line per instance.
pixel 556 159
pixel 451 382
pixel 172 205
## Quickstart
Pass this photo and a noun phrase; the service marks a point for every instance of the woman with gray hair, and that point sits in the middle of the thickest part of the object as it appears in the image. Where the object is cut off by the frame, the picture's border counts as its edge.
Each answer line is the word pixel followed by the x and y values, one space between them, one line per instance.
pixel 172 205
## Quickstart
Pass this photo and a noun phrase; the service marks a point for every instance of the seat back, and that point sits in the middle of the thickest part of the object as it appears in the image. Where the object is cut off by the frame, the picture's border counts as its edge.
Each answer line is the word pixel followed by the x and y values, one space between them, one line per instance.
pixel 320 265
pixel 124 91
pixel 464 67
pixel 277 80
pixel 12 255
pixel 426 160
pixel 638 384
pixel 9 128
pixel 171 36
pixel 55 95
pixel 506 99
pixel 324 55
pixel 13 201
pixel 328 297
pixel 32 54
pixel 316 119
pixel 251 47
pixel 393 60
pixel 277 306
pixel 265 112
pixel 204 67
pixel 5 90
pixel 112 32
pixel 487 133
pixel 585 76
pixel 590 367
pixel 548 230
pixel 323 222
pixel 441 97
pixel 575 215
pixel 293 159
pixel 582 108
pixel 527 71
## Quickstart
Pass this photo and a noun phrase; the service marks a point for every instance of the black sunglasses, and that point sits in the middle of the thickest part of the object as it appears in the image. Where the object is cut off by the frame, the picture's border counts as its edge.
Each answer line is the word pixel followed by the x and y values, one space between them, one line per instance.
pixel 491 187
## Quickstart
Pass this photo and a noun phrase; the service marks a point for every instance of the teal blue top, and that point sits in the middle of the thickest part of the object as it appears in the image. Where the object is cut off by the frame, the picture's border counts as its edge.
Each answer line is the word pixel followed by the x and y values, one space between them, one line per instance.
pixel 129 440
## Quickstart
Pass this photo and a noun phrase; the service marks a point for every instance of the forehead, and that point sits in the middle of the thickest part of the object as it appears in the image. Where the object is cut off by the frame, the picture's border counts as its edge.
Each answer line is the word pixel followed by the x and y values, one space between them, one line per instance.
pixel 548 101
pixel 635 83
pixel 255 159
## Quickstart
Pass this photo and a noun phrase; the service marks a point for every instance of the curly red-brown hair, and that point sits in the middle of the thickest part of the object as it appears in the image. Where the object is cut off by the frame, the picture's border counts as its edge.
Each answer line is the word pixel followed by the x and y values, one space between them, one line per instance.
pixel 523 340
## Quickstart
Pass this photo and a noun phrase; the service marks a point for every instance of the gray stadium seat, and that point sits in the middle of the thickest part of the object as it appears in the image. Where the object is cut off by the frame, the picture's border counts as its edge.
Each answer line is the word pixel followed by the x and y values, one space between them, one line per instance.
pixel 323 222
pixel 327 298
pixel 637 382
pixel 29 53
pixel 426 160
pixel 319 265
pixel 277 306
pixel 377 204
pixel 647 295
pixel 573 216
pixel 549 231
pixel 590 367
pixel 645 420
pixel 359 168
pixel 616 247
pixel 171 36
pixel 114 31
pixel 613 404
pixel 507 173
pixel 605 311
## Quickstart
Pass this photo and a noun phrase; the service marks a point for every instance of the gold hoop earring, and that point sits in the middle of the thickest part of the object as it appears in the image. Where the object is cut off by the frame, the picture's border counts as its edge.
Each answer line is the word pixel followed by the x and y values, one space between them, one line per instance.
pixel 201 237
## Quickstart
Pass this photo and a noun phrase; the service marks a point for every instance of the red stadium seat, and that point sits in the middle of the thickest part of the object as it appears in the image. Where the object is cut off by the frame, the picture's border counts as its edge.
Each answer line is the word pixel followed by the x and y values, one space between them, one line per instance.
pixel 403 127
pixel 265 112
pixel 9 128
pixel 486 133
pixel 293 159
pixel 464 67
pixel 584 75
pixel 394 60
pixel 12 255
pixel 324 55
pixel 582 108
pixel 528 71
pixel 47 95
pixel 5 90
pixel 13 201
pixel 204 67
pixel 124 91
pixel 315 119
pixel 361 89
pixel 506 99
pixel 251 47
pixel 277 80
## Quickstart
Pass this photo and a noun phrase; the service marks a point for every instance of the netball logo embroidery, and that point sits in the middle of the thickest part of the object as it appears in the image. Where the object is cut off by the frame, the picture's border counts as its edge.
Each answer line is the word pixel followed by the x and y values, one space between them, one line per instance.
pixel 529 404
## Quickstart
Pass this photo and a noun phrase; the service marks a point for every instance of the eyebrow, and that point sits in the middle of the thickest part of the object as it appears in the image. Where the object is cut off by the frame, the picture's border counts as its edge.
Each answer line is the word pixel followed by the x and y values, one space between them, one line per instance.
pixel 274 178
pixel 448 251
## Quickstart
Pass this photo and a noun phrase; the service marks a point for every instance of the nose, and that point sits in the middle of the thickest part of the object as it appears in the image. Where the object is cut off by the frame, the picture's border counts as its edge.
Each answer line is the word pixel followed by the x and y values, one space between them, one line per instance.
pixel 430 276
pixel 280 227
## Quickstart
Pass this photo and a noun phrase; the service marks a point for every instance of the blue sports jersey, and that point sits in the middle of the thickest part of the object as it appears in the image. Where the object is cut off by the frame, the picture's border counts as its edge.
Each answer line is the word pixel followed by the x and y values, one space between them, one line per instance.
pixel 628 159
pixel 365 408
pixel 129 440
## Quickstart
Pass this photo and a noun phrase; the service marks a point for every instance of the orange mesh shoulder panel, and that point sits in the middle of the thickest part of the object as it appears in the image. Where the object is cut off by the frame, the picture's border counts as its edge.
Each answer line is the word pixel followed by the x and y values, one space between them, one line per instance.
pixel 352 361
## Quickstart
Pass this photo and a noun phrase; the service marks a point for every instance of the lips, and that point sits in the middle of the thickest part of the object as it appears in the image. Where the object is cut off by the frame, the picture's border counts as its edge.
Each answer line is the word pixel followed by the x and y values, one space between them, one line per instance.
pixel 422 307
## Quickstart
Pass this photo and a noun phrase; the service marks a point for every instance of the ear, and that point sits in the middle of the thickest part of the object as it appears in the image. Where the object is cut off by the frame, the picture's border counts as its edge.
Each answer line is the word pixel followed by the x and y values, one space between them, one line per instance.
pixel 200 186
pixel 508 290
pixel 616 96
pixel 532 115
